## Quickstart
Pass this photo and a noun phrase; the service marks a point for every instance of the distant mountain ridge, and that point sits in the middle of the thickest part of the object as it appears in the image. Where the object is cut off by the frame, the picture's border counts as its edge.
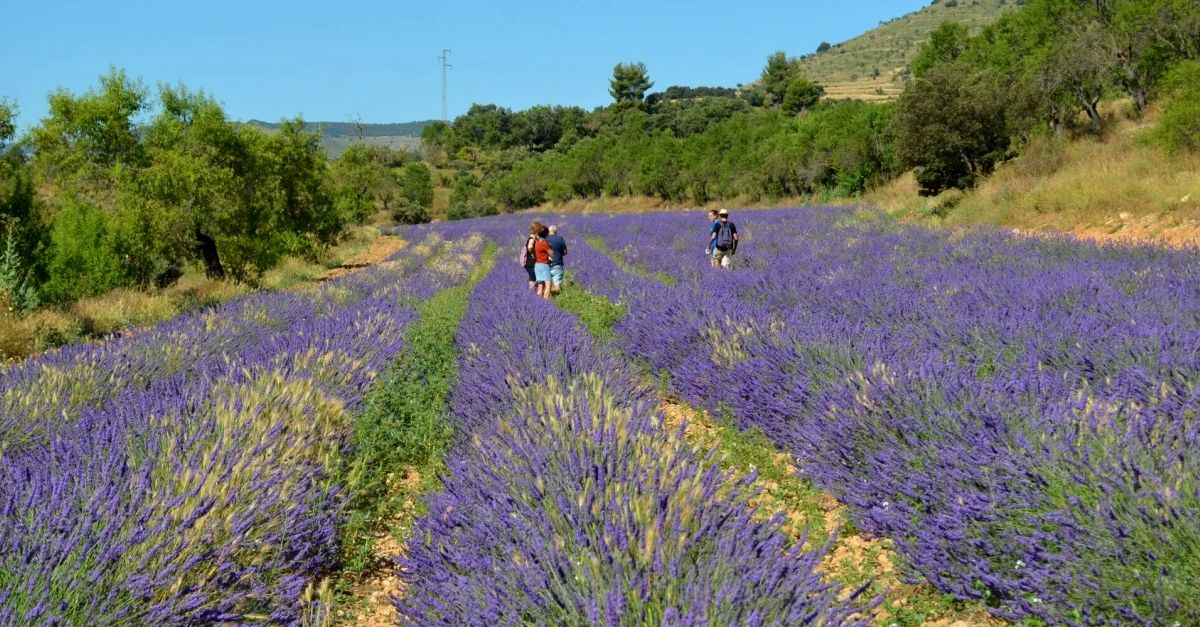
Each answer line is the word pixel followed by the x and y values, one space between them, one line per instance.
pixel 353 129
pixel 336 136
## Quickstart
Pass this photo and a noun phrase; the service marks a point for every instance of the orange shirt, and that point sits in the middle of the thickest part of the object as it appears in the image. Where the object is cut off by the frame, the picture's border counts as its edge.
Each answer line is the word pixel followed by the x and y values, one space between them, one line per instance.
pixel 541 251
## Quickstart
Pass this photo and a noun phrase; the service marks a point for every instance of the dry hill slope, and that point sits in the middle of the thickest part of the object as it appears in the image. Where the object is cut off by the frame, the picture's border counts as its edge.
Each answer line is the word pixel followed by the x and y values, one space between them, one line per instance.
pixel 873 65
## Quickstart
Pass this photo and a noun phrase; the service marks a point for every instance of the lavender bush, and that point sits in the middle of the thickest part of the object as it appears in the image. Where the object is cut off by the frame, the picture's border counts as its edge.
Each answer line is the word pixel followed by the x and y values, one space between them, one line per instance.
pixel 1017 413
pixel 568 502
pixel 186 475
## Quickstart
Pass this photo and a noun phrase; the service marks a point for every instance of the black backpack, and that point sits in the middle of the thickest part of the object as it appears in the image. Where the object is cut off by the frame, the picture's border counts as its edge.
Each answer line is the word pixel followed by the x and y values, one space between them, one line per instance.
pixel 725 236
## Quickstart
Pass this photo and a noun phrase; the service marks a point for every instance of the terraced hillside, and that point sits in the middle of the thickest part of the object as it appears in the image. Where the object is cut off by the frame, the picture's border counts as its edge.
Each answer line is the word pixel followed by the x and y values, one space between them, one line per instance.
pixel 872 65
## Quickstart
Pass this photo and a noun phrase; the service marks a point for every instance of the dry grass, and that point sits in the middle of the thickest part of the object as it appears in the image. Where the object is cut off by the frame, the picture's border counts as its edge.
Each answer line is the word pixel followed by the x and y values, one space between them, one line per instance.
pixel 441 203
pixel 38 331
pixel 295 271
pixel 23 336
pixel 1120 187
pixel 101 315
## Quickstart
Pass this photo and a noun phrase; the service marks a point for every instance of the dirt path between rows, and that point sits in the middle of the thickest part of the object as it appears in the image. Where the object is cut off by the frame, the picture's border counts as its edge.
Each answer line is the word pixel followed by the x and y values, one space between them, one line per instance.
pixel 855 558
pixel 382 248
pixel 373 595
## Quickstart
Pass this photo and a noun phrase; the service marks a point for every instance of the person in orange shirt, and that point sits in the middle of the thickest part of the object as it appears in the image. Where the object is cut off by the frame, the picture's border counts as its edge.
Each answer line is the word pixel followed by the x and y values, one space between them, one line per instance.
pixel 541 261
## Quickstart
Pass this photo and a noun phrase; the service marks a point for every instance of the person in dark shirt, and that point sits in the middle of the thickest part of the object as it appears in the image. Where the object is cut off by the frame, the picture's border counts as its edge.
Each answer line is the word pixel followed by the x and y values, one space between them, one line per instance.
pixel 527 257
pixel 724 240
pixel 558 248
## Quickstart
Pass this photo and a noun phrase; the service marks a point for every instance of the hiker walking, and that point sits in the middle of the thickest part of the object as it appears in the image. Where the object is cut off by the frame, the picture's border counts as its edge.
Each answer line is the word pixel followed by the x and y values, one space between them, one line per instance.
pixel 527 256
pixel 712 223
pixel 558 249
pixel 724 240
pixel 541 261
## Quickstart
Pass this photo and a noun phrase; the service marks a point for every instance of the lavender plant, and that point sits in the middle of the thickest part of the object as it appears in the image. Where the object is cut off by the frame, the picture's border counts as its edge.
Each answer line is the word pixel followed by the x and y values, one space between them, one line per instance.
pixel 187 475
pixel 1017 413
pixel 568 502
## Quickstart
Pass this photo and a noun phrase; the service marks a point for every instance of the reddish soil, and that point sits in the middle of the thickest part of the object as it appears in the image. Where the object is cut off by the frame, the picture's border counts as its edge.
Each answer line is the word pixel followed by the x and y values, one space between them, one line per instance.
pixel 373 595
pixel 381 248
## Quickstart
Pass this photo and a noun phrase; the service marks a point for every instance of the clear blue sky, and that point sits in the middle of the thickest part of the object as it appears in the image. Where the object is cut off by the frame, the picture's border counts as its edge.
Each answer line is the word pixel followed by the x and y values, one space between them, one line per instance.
pixel 377 60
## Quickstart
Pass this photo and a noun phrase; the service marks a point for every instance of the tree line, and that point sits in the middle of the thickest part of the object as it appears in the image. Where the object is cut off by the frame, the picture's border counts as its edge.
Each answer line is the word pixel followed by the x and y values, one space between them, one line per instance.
pixel 116 188
pixel 973 101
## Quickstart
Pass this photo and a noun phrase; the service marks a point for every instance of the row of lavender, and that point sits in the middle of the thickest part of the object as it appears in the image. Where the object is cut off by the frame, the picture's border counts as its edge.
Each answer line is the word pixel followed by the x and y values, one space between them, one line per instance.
pixel 1019 414
pixel 569 502
pixel 187 474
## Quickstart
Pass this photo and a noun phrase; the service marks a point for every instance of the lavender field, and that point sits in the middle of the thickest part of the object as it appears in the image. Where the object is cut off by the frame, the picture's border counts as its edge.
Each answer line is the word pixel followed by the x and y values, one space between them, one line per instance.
pixel 1016 415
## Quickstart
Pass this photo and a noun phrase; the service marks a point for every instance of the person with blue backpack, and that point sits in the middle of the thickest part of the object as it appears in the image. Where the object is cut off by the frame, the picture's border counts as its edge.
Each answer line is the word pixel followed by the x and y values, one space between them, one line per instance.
pixel 724 240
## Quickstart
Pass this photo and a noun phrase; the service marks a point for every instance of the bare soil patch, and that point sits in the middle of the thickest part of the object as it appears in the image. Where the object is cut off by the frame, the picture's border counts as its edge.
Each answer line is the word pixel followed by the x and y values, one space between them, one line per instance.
pixel 373 595
pixel 381 249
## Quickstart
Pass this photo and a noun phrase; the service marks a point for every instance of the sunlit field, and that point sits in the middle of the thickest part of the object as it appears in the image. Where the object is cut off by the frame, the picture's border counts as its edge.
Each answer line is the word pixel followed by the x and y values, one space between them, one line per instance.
pixel 1011 419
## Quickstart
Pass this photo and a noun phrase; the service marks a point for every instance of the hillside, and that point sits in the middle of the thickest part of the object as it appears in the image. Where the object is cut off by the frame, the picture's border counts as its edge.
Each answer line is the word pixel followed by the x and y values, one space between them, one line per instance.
pixel 872 66
pixel 1116 188
pixel 336 136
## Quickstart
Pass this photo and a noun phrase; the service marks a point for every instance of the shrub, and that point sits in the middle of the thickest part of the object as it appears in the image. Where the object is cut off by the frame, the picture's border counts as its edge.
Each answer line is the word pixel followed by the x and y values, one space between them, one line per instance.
pixel 1179 127
pixel 16 290
pixel 416 184
pixel 408 212
pixel 85 255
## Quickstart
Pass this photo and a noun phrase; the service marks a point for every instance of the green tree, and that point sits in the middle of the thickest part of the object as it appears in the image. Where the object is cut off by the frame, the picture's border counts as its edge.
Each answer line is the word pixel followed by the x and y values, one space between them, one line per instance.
pixel 802 94
pixel 466 198
pixel 416 185
pixel 777 75
pixel 951 126
pixel 84 138
pixel 484 126
pixel 297 164
pixel 629 83
pixel 18 211
pixel 17 290
pixel 437 142
pixel 361 181
pixel 8 127
pixel 521 187
pixel 1078 66
pixel 191 191
pixel 85 254
pixel 585 170
pixel 946 43
pixel 660 168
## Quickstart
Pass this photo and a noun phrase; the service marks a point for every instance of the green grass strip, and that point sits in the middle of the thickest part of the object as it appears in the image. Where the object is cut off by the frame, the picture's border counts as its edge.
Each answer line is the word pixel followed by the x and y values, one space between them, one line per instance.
pixel 597 313
pixel 405 425
pixel 599 244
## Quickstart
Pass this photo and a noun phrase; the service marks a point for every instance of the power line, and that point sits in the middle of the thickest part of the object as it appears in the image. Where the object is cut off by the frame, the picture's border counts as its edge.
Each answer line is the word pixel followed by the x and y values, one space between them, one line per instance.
pixel 445 59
